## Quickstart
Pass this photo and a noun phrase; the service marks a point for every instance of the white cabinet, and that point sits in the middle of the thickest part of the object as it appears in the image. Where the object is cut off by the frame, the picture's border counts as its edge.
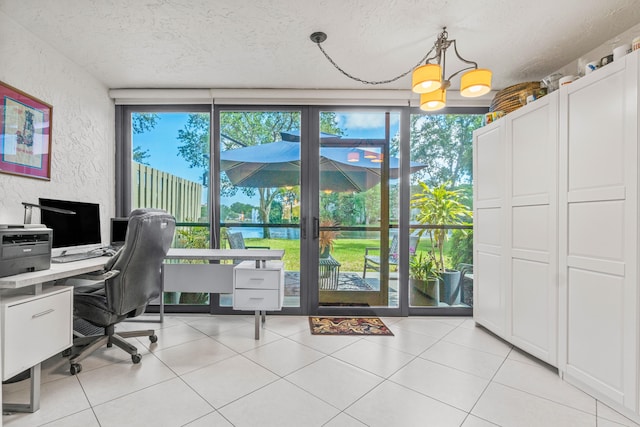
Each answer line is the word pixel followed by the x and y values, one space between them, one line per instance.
pixel 515 227
pixel 532 227
pixel 489 233
pixel 35 327
pixel 258 289
pixel 599 228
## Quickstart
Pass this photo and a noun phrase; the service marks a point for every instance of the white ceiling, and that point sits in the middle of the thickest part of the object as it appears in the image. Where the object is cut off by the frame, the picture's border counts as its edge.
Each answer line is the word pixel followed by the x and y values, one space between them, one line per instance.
pixel 265 44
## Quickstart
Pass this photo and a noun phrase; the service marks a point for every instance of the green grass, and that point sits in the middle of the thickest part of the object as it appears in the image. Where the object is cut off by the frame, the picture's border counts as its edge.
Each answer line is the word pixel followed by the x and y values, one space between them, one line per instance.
pixel 349 252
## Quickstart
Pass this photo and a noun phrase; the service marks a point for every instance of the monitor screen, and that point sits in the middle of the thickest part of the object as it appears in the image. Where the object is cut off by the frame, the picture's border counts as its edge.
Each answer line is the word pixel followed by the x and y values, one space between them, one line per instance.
pixel 118 231
pixel 72 230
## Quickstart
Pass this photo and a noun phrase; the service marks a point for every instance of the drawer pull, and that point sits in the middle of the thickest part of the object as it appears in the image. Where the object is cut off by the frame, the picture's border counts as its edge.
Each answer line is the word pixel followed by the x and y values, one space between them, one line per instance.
pixel 261 279
pixel 44 313
pixel 256 297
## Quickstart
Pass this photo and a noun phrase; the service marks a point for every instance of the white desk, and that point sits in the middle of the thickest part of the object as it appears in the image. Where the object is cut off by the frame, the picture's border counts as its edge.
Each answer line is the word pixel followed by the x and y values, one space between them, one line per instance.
pixel 211 278
pixel 25 291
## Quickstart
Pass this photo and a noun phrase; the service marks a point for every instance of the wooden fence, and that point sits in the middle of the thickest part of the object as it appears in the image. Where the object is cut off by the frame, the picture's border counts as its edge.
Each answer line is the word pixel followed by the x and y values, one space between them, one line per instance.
pixel 153 188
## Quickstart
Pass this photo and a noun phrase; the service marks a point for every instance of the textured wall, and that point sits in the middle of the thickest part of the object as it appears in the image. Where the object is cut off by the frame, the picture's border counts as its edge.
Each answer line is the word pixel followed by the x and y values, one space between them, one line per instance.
pixel 82 165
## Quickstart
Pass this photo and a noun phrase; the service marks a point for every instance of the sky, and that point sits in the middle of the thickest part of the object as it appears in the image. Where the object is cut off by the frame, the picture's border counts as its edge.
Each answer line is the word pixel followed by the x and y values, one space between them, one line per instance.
pixel 162 143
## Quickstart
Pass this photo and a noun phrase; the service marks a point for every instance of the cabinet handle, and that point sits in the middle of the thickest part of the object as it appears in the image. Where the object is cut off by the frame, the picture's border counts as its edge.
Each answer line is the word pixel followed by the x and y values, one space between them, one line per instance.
pixel 44 313
pixel 256 297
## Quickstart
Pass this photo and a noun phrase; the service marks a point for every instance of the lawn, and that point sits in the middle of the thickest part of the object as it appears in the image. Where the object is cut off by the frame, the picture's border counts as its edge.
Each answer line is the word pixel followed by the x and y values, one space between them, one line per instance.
pixel 349 252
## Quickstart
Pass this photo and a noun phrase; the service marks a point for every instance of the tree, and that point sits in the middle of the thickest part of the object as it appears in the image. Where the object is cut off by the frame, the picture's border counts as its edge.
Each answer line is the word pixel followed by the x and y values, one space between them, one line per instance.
pixel 241 129
pixel 141 123
pixel 140 155
pixel 443 142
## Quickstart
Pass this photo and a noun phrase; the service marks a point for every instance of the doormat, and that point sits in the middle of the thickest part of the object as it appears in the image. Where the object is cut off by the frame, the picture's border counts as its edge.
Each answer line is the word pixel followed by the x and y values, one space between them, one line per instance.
pixel 348 326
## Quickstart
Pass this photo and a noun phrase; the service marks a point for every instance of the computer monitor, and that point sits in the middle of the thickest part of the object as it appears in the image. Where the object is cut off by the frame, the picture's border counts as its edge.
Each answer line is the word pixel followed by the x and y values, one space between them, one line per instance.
pixel 72 232
pixel 118 231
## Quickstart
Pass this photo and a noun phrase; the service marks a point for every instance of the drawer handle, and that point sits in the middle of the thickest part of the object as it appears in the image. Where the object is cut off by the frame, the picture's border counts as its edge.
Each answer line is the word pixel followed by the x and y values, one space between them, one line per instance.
pixel 257 278
pixel 44 313
pixel 256 297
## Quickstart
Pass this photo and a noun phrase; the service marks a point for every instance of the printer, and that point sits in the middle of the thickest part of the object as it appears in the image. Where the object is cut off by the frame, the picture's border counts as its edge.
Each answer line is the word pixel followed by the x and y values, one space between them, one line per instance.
pixel 24 248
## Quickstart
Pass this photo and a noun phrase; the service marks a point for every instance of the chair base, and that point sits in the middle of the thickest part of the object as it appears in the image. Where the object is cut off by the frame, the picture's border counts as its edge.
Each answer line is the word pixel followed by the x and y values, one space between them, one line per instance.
pixel 84 346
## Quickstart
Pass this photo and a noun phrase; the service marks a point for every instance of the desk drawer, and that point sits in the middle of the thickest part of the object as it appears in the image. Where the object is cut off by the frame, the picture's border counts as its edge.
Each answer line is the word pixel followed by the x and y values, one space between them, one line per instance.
pixel 255 299
pixel 257 279
pixel 35 329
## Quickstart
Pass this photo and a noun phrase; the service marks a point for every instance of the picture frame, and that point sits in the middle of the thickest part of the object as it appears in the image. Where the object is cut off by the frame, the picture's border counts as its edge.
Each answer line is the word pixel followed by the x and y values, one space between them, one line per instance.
pixel 25 134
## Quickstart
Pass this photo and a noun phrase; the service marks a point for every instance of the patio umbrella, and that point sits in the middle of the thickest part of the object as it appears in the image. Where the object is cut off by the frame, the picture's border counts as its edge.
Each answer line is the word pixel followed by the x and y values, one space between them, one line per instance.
pixel 277 164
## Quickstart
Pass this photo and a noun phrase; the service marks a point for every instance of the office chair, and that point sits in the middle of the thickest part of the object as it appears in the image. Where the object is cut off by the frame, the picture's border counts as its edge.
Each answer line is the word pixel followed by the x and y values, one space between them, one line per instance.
pixel 131 279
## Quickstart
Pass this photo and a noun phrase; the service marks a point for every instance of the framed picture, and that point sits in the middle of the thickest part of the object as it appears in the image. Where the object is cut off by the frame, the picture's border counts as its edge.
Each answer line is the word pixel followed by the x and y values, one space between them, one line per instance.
pixel 25 134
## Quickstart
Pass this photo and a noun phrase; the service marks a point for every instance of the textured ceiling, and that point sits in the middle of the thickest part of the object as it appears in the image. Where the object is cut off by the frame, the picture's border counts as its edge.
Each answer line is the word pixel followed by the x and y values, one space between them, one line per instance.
pixel 265 44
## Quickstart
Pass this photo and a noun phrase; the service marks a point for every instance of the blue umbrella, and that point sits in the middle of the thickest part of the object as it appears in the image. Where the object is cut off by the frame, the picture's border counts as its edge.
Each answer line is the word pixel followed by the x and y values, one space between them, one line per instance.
pixel 277 164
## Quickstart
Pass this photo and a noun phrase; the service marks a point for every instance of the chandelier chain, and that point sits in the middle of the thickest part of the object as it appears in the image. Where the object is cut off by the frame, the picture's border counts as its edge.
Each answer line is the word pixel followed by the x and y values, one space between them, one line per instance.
pixel 374 82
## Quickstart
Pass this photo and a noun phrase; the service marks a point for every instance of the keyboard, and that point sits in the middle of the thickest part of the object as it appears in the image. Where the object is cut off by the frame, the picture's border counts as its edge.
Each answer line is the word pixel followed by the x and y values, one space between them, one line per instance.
pixel 76 257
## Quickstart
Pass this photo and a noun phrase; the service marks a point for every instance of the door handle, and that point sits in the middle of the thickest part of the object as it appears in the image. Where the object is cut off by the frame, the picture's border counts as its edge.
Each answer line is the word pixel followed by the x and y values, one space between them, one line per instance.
pixel 303 225
pixel 316 227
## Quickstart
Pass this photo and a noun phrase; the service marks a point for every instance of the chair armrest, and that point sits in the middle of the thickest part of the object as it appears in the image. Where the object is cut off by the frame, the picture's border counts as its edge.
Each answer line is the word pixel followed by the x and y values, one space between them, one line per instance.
pixel 257 247
pixel 366 250
pixel 97 276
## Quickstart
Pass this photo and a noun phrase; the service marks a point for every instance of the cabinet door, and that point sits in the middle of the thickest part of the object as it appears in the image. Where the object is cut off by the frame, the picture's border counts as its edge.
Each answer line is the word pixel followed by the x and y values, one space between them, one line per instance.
pixel 489 232
pixel 598 229
pixel 532 146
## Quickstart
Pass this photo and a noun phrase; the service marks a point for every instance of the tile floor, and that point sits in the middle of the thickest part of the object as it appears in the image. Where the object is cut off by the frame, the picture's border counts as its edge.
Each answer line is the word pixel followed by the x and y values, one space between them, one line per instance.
pixel 209 371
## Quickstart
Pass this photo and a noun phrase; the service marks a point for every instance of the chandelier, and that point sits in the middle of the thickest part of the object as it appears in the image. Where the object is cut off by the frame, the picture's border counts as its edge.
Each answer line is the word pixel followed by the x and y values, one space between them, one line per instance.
pixel 430 80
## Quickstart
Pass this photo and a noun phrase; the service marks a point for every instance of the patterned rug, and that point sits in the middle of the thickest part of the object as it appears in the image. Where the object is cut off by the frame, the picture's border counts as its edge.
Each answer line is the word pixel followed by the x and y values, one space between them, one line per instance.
pixel 348 326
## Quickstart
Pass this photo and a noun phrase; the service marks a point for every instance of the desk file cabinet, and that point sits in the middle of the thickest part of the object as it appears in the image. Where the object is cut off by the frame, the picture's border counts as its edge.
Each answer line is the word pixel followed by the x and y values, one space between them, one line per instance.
pixel 258 289
pixel 35 327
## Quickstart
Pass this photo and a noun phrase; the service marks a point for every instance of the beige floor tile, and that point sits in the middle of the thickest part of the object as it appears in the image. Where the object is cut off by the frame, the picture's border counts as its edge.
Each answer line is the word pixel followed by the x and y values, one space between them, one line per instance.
pixel 58 399
pixel 374 357
pixel 605 412
pixel 391 404
pixel 466 359
pixel 479 339
pixel 406 341
pixel 280 404
pixel 506 406
pixel 193 355
pixel 112 381
pixel 326 344
pixel 213 419
pixel 283 356
pixel 84 418
pixel 170 403
pixel 544 382
pixel 443 383
pixel 223 382
pixel 336 382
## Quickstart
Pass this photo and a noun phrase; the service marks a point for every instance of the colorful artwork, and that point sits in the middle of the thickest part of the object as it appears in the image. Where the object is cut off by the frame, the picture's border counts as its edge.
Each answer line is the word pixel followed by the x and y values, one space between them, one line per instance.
pixel 25 134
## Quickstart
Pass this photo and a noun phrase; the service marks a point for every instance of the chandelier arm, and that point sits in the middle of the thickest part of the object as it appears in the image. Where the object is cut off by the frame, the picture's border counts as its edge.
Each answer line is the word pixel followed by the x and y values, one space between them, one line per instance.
pixel 373 82
pixel 455 48
pixel 461 70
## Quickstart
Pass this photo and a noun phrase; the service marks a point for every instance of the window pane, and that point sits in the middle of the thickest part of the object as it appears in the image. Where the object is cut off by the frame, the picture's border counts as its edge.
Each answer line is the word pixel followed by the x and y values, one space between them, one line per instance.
pixel 170 166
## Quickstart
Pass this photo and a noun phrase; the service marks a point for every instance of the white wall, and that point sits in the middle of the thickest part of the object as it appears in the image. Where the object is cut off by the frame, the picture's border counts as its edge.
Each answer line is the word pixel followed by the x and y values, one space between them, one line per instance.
pixel 83 143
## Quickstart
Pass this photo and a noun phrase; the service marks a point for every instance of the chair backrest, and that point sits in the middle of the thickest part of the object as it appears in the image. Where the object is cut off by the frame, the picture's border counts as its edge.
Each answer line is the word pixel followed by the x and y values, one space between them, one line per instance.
pixel 393 250
pixel 149 236
pixel 236 241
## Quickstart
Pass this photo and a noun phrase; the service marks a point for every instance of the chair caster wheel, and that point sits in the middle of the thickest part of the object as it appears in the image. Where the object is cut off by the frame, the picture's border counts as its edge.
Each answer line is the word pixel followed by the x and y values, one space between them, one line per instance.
pixel 153 338
pixel 136 358
pixel 75 368
pixel 66 353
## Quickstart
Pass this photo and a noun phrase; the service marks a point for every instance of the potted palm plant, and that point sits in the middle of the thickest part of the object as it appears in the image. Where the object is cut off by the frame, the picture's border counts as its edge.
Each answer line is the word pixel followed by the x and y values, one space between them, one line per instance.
pixel 423 275
pixel 439 207
pixel 326 238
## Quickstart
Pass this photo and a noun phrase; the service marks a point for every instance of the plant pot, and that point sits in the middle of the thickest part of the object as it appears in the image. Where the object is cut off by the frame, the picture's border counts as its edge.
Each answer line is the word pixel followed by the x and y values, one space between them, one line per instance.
pixel 429 287
pixel 325 252
pixel 450 287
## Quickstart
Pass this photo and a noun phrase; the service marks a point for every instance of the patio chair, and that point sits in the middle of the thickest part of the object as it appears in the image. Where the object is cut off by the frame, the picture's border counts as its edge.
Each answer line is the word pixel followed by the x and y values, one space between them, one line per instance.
pixel 372 262
pixel 236 241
